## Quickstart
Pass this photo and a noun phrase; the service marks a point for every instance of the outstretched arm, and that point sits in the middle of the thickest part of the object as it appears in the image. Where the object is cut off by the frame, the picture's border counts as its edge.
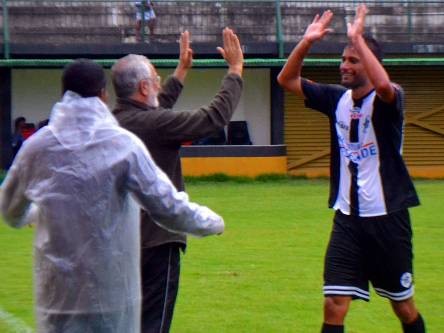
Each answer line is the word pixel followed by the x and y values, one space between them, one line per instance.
pixel 169 208
pixel 13 202
pixel 185 57
pixel 290 76
pixel 232 52
pixel 374 69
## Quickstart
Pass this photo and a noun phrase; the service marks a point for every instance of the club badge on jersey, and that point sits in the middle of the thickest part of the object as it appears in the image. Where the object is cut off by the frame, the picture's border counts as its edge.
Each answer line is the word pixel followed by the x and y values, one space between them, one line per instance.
pixel 355 112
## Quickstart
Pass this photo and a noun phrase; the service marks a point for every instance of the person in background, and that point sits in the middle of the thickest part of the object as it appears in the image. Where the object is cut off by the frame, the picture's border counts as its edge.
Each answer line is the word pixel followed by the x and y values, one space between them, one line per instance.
pixel 17 136
pixel 145 15
pixel 143 107
pixel 82 180
pixel 370 188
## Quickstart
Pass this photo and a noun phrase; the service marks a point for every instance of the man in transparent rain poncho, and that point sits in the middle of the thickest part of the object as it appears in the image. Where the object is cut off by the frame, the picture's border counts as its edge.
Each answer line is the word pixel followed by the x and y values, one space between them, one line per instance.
pixel 77 178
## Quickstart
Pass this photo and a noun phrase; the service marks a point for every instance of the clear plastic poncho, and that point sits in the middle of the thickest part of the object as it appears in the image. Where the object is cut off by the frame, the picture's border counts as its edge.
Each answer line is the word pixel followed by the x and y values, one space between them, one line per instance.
pixel 77 179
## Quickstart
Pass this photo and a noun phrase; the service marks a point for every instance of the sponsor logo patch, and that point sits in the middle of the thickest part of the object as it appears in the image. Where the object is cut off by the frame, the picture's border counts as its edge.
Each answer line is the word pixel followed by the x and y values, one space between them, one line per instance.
pixel 356 152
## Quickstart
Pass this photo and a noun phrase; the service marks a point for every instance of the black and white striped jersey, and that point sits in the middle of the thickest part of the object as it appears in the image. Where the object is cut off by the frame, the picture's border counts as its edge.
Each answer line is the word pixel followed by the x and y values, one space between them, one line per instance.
pixel 368 176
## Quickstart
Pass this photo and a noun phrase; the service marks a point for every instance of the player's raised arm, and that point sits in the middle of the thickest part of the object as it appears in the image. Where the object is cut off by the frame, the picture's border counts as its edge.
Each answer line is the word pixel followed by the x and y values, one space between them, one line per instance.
pixel 373 67
pixel 290 76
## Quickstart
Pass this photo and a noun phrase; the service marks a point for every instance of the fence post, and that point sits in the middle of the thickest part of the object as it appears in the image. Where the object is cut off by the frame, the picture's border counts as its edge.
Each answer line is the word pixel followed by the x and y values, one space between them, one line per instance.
pixel 279 38
pixel 5 30
pixel 5 117
pixel 142 21
pixel 409 20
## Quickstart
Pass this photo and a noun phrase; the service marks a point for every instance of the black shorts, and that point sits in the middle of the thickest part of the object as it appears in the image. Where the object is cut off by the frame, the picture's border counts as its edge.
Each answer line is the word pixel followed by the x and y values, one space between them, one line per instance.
pixel 376 249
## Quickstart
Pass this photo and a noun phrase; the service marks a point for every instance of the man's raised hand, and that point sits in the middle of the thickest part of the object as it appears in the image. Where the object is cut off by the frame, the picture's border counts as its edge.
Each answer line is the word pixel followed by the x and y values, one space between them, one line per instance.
pixel 185 57
pixel 186 53
pixel 232 51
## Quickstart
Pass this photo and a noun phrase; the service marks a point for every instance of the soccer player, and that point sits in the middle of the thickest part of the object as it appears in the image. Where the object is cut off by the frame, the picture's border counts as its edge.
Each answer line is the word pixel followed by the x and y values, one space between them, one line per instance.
pixel 370 188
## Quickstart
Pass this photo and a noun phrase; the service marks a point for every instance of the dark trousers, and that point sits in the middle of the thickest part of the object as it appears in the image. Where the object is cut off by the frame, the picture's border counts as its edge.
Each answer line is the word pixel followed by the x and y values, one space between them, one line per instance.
pixel 160 283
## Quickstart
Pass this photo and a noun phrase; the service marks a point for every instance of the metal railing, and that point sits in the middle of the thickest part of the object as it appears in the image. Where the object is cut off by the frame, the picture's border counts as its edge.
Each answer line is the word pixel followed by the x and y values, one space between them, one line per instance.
pixel 266 21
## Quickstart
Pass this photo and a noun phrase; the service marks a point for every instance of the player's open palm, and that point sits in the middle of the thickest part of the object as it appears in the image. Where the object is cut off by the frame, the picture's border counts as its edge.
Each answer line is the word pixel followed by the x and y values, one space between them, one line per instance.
pixel 356 28
pixel 319 27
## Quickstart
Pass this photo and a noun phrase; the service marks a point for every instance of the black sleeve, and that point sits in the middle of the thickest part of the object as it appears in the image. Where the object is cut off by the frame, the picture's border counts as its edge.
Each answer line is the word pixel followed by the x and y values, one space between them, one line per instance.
pixel 395 109
pixel 322 97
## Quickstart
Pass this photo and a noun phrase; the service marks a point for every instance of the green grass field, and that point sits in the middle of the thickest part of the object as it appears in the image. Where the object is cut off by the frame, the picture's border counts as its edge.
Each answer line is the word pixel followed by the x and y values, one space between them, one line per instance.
pixel 265 273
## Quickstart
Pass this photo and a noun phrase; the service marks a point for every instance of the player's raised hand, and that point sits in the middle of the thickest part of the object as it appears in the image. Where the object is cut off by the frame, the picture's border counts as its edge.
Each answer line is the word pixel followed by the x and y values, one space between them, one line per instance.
pixel 319 27
pixel 356 28
pixel 232 51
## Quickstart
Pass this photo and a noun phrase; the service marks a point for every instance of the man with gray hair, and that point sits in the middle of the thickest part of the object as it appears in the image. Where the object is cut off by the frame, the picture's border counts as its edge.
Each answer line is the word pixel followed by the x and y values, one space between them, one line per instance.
pixel 142 107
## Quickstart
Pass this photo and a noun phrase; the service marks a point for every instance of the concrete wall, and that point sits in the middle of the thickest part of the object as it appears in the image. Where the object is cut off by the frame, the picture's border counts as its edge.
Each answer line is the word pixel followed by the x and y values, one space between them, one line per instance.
pixel 113 22
pixel 34 91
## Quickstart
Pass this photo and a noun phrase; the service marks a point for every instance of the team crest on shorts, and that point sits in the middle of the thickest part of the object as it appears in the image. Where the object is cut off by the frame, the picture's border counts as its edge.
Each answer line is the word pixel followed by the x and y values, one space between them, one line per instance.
pixel 406 280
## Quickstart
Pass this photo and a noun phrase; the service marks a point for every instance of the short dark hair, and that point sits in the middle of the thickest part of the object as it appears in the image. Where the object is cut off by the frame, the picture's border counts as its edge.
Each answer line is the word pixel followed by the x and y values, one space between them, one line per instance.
pixel 373 45
pixel 19 120
pixel 84 77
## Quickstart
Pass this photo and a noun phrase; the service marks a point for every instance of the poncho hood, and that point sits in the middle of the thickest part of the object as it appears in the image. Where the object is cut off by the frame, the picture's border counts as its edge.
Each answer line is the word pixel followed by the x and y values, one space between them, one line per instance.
pixel 75 119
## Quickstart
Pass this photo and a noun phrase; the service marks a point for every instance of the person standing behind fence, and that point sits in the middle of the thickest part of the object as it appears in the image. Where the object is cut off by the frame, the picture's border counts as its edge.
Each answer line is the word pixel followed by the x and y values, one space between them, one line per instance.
pixel 145 15
pixel 143 108
pixel 370 188
pixel 80 179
